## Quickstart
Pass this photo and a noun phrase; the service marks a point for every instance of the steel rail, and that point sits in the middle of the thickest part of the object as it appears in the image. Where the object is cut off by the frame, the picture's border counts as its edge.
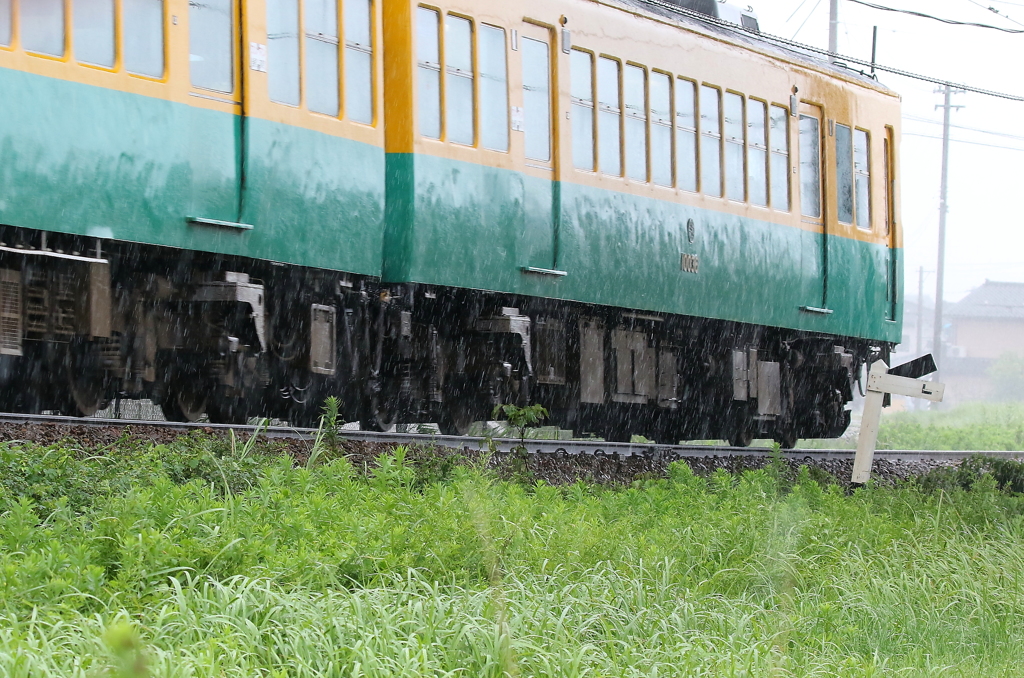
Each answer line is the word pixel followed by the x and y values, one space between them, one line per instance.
pixel 557 448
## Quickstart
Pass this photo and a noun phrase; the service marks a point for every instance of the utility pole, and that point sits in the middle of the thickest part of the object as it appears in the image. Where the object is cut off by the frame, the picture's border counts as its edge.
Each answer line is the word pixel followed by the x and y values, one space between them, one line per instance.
pixel 833 29
pixel 947 108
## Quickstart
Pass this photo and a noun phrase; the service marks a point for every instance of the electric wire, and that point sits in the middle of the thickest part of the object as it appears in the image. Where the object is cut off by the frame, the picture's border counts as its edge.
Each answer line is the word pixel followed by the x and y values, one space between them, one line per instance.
pixel 791 44
pixel 922 15
pixel 961 141
pixel 995 11
pixel 963 127
pixel 807 18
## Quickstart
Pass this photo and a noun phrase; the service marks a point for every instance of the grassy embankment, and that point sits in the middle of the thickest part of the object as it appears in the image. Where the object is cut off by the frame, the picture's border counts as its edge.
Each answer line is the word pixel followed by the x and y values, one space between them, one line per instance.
pixel 194 559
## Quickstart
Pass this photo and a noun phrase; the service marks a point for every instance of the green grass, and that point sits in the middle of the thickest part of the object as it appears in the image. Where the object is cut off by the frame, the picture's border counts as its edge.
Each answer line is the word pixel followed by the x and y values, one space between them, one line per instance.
pixel 194 559
pixel 976 426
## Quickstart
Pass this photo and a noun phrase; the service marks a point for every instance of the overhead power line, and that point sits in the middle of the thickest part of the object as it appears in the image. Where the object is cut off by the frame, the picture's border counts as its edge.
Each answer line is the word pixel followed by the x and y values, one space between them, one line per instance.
pixel 994 11
pixel 963 127
pixel 783 42
pixel 922 15
pixel 961 141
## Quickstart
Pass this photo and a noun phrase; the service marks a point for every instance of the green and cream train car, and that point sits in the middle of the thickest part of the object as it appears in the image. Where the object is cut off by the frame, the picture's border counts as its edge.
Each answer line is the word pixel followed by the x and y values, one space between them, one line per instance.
pixel 648 221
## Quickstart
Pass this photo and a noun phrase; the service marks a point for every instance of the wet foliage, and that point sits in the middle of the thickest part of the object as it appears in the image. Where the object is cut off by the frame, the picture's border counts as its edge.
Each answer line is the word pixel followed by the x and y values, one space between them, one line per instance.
pixel 201 558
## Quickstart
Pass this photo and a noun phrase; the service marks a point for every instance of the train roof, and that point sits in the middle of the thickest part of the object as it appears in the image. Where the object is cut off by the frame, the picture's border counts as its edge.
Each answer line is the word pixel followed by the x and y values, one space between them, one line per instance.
pixel 665 12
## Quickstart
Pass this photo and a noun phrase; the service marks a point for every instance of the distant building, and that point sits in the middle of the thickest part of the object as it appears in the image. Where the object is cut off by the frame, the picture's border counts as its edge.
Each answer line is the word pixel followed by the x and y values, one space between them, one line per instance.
pixel 981 328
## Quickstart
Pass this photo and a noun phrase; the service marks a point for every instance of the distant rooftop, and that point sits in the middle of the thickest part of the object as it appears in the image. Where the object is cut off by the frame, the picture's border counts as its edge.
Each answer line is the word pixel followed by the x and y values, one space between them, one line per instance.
pixel 992 300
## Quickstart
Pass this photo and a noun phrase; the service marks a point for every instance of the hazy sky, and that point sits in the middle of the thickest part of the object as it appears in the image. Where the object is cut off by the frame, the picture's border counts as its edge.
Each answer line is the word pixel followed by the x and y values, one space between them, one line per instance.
pixel 985 227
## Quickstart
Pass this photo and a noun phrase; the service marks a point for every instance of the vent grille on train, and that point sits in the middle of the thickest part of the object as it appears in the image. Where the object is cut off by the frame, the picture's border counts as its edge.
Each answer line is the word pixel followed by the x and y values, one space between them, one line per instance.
pixel 708 7
pixel 10 312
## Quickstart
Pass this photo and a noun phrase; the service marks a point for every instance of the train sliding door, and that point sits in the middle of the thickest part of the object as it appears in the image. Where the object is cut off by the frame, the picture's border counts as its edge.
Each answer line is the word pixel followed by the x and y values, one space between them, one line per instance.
pixel 814 255
pixel 537 250
pixel 893 268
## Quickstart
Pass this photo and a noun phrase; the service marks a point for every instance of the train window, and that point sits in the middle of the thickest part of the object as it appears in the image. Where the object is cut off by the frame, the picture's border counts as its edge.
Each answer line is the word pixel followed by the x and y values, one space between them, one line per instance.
pixel 844 174
pixel 211 27
pixel 635 90
pixel 582 67
pixel 609 116
pixel 810 166
pixel 493 89
pixel 321 19
pixel 890 188
pixel 42 26
pixel 358 61
pixel 143 30
pixel 757 152
pixel 5 22
pixel 862 178
pixel 94 32
pixel 686 135
pixel 661 129
pixel 429 72
pixel 458 57
pixel 735 163
pixel 711 141
pixel 537 99
pixel 779 139
pixel 283 51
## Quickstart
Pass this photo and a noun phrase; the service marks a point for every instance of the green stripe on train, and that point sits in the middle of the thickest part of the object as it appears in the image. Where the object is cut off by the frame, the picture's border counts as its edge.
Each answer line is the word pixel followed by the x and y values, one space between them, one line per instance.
pixel 466 225
pixel 91 161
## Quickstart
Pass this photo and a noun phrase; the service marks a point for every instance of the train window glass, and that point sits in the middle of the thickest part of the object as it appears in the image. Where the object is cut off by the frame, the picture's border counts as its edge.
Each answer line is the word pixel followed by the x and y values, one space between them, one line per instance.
pixel 582 67
pixel 283 51
pixel 686 135
pixel 779 137
pixel 609 116
pixel 735 163
pixel 429 72
pixel 661 129
pixel 810 167
pixel 42 26
pixel 634 88
pixel 844 174
pixel 143 29
pixel 862 178
pixel 211 26
pixel 757 153
pixel 711 141
pixel 359 61
pixel 94 32
pixel 458 56
pixel 5 22
pixel 537 99
pixel 321 19
pixel 890 189
pixel 493 89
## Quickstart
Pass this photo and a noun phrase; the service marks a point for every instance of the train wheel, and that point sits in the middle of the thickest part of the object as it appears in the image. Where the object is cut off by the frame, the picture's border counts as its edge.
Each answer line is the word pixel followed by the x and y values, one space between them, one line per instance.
pixel 742 437
pixel 787 439
pixel 183 404
pixel 458 418
pixel 228 411
pixel 381 415
pixel 85 381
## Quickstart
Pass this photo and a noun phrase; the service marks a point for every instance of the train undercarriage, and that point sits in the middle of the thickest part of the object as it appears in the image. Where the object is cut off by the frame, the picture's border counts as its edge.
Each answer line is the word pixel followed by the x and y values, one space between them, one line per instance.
pixel 84 321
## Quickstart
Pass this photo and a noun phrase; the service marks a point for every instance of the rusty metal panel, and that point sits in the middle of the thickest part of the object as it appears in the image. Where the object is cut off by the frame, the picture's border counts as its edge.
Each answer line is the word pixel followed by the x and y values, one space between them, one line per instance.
pixel 591 361
pixel 769 389
pixel 549 351
pixel 10 312
pixel 739 376
pixel 94 311
pixel 634 367
pixel 668 378
pixel 322 336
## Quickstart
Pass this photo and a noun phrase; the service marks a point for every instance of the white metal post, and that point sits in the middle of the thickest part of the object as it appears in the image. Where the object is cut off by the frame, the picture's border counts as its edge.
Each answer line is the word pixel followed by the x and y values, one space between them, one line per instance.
pixel 881 382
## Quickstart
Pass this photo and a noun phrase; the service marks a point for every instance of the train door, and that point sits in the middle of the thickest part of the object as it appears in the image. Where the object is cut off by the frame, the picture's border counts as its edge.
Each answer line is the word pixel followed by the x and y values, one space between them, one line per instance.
pixel 217 123
pixel 892 269
pixel 814 255
pixel 536 244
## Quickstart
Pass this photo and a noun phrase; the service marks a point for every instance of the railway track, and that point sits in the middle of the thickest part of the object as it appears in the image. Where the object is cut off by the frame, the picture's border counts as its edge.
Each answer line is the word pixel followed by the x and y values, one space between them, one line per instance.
pixel 556 448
